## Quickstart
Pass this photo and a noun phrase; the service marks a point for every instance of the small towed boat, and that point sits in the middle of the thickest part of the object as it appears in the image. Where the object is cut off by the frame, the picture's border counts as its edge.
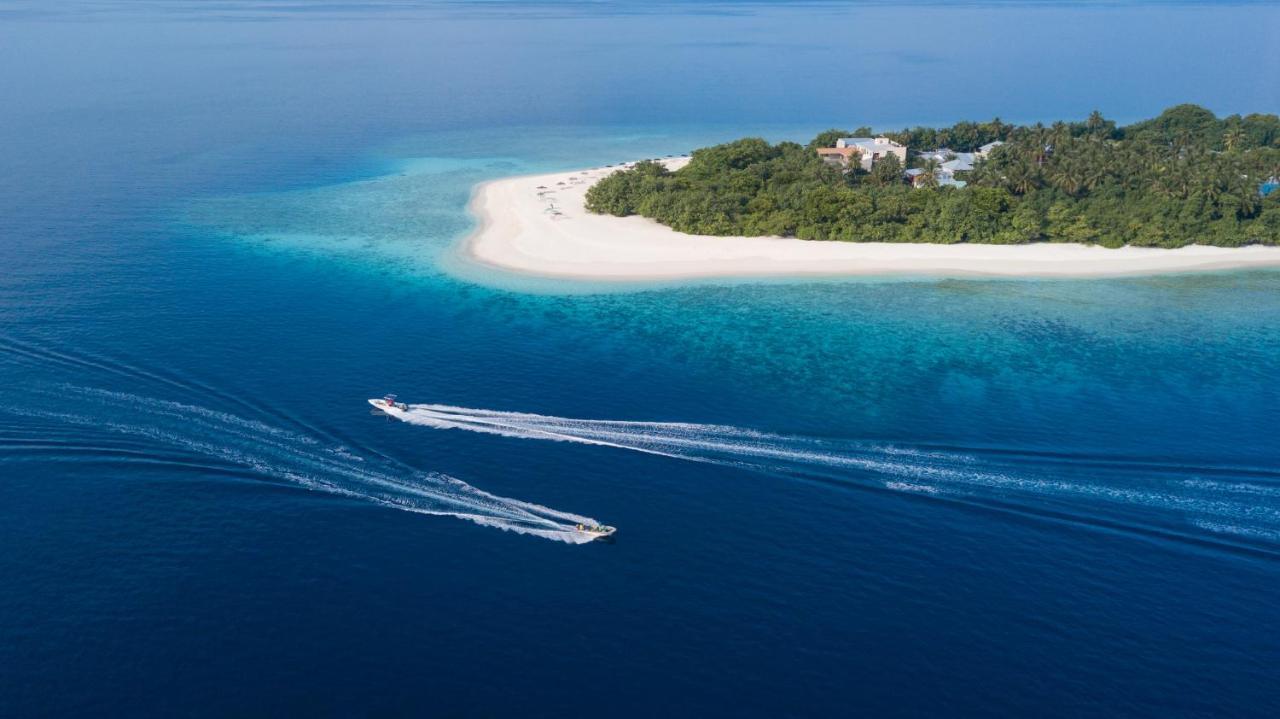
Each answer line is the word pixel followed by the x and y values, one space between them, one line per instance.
pixel 388 405
pixel 597 531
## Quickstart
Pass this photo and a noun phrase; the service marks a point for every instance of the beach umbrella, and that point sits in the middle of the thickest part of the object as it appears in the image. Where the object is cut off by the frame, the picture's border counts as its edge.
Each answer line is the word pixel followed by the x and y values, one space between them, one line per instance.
pixel 542 187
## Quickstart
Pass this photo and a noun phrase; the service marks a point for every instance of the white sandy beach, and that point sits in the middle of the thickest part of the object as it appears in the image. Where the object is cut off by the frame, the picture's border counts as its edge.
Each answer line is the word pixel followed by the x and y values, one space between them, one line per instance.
pixel 536 224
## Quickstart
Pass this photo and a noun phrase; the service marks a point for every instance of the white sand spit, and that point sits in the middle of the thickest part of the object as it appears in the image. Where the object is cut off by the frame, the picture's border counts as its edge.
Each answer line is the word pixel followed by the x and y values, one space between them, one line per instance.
pixel 549 233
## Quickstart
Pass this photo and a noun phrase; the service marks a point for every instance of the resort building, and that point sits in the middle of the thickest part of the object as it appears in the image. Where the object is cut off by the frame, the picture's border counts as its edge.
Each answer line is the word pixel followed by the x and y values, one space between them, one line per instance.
pixel 947 173
pixel 943 176
pixel 987 148
pixel 868 150
pixel 941 154
pixel 949 164
pixel 838 156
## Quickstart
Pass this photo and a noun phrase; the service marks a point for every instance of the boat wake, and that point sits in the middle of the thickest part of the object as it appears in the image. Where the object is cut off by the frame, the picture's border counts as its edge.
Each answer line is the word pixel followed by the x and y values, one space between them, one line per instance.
pixel 1230 504
pixel 125 427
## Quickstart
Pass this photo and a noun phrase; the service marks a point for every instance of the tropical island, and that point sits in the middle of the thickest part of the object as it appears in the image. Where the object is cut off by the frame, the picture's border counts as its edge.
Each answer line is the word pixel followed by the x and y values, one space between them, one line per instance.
pixel 1183 192
pixel 1183 178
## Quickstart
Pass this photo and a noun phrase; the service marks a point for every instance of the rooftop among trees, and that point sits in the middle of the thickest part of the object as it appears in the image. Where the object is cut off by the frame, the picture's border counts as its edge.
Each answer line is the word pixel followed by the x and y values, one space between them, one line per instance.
pixel 1184 177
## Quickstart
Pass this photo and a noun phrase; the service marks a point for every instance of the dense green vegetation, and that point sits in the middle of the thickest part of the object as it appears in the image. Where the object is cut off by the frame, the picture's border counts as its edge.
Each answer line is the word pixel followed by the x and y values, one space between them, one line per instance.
pixel 1185 177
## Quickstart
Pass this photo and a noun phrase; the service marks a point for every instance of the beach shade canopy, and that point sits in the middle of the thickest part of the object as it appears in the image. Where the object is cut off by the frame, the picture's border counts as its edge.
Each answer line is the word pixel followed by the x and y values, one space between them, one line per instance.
pixel 542 187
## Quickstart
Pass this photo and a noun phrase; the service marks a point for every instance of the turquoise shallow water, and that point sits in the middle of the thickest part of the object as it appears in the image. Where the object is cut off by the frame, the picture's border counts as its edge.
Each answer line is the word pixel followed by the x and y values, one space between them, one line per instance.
pixel 223 231
pixel 931 348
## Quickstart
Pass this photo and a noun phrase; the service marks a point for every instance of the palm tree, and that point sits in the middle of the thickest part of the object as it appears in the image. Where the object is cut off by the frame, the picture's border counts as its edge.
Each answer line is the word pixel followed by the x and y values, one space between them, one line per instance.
pixel 1233 138
pixel 1021 178
pixel 1093 173
pixel 1167 181
pixel 1183 139
pixel 1211 186
pixel 1068 177
pixel 1095 122
pixel 1059 133
pixel 929 174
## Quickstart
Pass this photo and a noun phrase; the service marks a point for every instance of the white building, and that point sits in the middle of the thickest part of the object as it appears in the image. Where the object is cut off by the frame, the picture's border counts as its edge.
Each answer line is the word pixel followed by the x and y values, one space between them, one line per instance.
pixel 872 149
pixel 986 149
pixel 949 163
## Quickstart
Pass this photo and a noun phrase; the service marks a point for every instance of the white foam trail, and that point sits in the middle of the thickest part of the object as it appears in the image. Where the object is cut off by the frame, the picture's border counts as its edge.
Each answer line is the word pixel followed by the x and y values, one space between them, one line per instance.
pixel 698 442
pixel 1238 531
pixel 912 487
pixel 911 470
pixel 300 460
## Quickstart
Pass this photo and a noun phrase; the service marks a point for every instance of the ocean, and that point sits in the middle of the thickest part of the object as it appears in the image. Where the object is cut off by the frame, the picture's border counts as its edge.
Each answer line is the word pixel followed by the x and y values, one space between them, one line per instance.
pixel 225 226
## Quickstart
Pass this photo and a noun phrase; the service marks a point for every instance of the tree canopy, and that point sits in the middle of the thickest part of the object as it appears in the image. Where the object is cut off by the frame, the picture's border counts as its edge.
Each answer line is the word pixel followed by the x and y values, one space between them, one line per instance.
pixel 1185 177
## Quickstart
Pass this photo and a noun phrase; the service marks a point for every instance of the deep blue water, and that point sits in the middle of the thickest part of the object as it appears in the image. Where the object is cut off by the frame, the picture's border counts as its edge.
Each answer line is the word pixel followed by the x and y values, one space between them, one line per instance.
pixel 224 226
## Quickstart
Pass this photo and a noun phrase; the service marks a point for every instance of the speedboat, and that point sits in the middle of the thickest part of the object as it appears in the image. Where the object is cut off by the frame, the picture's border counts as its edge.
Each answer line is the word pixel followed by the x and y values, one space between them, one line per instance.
pixel 389 405
pixel 597 531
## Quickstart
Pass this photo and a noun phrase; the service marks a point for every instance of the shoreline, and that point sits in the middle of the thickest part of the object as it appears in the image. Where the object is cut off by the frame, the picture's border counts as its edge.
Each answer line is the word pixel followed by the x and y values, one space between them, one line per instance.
pixel 537 225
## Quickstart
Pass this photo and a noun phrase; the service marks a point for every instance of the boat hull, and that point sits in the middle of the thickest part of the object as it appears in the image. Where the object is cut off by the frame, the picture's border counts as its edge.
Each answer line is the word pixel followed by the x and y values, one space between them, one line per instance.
pixel 395 410
pixel 604 535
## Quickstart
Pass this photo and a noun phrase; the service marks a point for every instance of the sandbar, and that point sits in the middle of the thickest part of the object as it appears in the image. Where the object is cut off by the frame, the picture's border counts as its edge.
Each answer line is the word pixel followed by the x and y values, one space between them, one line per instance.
pixel 538 225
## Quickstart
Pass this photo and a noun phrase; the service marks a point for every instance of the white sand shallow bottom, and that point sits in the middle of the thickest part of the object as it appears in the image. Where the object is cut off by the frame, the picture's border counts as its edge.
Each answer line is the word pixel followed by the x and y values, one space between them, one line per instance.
pixel 547 232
